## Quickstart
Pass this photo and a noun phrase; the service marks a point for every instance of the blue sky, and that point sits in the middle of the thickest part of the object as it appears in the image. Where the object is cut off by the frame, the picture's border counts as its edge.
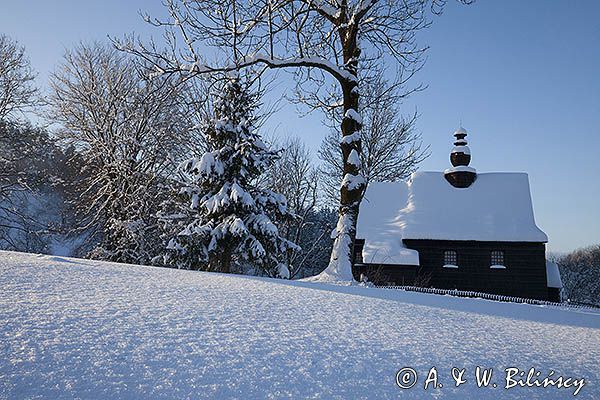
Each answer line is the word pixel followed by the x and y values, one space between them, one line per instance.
pixel 522 76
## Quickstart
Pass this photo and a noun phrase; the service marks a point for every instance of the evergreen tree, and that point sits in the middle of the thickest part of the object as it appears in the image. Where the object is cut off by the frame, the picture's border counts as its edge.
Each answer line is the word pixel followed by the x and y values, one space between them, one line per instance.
pixel 229 217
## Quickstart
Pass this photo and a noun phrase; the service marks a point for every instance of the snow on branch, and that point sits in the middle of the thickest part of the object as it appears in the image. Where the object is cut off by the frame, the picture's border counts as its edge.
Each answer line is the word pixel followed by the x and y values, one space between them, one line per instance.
pixel 354 158
pixel 354 115
pixel 246 61
pixel 353 182
pixel 325 9
pixel 363 7
pixel 164 65
pixel 349 139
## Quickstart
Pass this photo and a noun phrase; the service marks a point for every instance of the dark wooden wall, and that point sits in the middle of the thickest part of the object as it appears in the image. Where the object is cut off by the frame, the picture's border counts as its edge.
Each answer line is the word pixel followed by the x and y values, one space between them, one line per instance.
pixel 357 256
pixel 381 274
pixel 390 275
pixel 524 276
pixel 554 294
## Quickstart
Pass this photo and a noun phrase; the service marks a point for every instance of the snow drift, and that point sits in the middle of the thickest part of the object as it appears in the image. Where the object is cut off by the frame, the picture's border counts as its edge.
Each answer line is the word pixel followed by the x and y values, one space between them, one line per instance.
pixel 85 329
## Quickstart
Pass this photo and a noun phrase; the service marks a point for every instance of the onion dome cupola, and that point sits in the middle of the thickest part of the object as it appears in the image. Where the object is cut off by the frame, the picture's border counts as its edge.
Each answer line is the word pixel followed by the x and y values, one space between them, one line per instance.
pixel 460 175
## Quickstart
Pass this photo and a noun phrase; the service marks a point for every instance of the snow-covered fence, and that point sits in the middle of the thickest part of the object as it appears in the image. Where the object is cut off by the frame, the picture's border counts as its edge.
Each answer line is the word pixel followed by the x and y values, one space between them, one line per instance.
pixel 488 296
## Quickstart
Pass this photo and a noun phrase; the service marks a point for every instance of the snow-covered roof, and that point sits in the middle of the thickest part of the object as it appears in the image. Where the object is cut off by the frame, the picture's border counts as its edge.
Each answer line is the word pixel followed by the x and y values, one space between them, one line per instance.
pixel 460 168
pixel 496 207
pixel 553 275
pixel 461 130
pixel 383 239
pixel 461 149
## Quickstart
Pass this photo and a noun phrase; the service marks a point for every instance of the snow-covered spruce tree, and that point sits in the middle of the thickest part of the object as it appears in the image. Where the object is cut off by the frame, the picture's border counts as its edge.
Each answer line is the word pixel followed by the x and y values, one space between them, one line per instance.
pixel 229 217
pixel 324 41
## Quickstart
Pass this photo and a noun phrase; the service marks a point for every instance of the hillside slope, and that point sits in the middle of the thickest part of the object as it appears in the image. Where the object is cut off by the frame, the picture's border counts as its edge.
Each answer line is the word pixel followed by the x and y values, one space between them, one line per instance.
pixel 79 328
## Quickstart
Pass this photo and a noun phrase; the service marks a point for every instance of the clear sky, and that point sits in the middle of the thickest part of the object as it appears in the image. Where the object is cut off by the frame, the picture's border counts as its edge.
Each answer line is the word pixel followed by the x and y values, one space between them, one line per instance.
pixel 522 76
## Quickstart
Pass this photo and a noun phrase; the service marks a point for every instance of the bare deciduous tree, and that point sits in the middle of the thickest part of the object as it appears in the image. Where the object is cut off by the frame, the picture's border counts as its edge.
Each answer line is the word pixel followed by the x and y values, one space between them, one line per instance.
pixel 391 150
pixel 322 39
pixel 580 274
pixel 295 176
pixel 32 179
pixel 17 90
pixel 17 93
pixel 18 153
pixel 130 130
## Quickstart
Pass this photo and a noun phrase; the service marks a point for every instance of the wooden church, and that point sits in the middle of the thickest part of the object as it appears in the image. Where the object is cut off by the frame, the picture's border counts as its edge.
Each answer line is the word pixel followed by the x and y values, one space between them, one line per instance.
pixel 456 229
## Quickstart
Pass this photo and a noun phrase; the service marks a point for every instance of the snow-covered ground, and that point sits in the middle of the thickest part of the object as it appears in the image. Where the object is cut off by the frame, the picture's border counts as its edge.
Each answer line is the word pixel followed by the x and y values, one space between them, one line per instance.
pixel 83 329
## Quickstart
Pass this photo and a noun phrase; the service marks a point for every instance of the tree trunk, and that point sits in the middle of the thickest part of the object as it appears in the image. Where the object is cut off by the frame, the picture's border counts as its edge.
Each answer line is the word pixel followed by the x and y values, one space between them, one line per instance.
pixel 226 261
pixel 221 262
pixel 352 188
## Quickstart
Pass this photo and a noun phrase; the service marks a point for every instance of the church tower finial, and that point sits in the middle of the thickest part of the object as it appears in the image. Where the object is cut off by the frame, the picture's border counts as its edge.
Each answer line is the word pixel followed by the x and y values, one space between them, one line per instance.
pixel 460 175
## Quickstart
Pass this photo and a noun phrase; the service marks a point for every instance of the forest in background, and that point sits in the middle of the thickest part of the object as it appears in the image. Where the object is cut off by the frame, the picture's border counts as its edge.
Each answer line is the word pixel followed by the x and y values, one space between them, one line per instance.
pixel 107 160
pixel 122 149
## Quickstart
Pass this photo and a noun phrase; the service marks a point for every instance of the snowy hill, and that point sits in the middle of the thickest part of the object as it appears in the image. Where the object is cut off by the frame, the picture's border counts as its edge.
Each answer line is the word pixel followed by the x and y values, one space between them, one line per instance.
pixel 79 328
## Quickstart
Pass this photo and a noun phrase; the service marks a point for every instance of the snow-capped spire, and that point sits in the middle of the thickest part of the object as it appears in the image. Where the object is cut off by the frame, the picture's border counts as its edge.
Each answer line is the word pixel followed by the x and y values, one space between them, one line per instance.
pixel 460 175
pixel 461 154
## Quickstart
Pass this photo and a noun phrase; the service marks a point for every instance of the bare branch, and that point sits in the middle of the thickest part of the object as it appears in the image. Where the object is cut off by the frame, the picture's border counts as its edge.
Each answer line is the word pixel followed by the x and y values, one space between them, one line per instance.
pixel 17 91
